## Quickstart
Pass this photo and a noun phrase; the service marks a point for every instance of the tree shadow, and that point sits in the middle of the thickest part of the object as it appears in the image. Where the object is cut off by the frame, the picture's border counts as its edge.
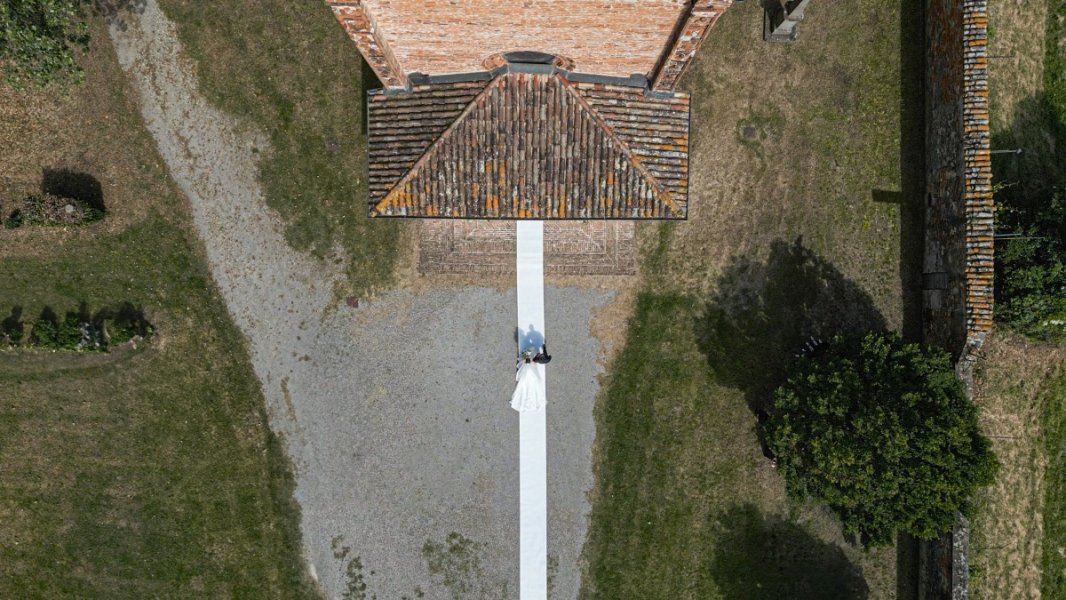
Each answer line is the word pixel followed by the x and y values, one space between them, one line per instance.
pixel 1029 179
pixel 12 327
pixel 764 313
pixel 115 11
pixel 82 187
pixel 765 557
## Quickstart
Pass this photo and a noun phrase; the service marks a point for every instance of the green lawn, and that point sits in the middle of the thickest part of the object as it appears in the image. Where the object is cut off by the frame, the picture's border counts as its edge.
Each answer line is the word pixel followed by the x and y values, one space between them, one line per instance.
pixel 147 472
pixel 288 68
pixel 1017 552
pixel 1053 583
pixel 805 230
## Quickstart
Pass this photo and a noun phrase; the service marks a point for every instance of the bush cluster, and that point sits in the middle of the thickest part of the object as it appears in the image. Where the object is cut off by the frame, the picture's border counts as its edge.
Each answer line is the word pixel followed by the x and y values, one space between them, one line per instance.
pixel 883 433
pixel 52 210
pixel 78 330
pixel 1031 269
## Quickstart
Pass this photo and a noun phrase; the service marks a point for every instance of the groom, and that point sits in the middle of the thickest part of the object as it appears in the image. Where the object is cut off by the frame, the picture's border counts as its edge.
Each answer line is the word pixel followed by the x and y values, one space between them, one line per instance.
pixel 543 357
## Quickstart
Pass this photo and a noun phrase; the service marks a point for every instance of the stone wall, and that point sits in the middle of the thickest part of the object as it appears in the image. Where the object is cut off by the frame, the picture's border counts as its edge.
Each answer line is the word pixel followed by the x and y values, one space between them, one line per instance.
pixel 957 267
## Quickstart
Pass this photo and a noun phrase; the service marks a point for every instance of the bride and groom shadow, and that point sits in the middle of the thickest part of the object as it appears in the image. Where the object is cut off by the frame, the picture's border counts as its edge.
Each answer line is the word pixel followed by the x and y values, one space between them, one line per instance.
pixel 532 342
pixel 528 339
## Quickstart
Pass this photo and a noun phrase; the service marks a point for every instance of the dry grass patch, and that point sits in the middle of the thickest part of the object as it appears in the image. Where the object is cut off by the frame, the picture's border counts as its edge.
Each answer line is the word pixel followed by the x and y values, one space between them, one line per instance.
pixel 80 131
pixel 1008 532
pixel 802 228
pixel 1016 47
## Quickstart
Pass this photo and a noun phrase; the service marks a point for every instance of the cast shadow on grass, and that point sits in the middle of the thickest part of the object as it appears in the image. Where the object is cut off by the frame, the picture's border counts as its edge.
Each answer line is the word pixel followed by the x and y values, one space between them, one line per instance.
pixel 1029 179
pixel 912 198
pixel 12 328
pixel 82 187
pixel 765 311
pixel 764 557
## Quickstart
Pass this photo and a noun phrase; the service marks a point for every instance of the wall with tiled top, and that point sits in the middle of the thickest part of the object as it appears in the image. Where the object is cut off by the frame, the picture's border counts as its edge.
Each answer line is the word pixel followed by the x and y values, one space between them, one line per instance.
pixel 958 259
pixel 959 230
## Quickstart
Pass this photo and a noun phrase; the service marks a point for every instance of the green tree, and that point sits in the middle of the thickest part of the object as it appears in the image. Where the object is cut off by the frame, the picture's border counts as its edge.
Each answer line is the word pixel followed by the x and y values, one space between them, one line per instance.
pixel 38 40
pixel 883 433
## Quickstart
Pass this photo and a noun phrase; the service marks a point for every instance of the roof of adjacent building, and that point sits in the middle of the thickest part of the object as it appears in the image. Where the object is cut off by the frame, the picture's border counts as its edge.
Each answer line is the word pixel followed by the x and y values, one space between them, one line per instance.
pixel 534 145
pixel 608 37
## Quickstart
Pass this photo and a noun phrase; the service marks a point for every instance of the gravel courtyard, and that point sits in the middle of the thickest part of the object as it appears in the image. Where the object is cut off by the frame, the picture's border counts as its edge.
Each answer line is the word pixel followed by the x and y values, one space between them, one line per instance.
pixel 395 413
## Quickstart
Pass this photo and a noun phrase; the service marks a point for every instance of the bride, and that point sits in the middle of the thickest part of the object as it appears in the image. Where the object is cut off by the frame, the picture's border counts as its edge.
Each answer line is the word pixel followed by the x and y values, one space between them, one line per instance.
pixel 529 390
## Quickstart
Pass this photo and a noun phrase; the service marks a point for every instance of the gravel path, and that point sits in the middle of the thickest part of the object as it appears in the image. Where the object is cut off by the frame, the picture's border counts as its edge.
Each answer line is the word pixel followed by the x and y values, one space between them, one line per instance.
pixel 395 413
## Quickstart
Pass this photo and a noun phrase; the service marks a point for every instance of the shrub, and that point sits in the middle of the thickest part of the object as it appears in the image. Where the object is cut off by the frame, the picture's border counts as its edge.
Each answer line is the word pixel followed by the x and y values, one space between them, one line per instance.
pixel 38 41
pixel 126 323
pixel 1031 270
pixel 14 220
pixel 882 432
pixel 52 210
pixel 80 331
pixel 45 332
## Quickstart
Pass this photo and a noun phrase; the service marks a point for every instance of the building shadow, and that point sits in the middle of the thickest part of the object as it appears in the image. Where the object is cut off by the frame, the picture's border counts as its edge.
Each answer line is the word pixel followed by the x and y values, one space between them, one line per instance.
pixel 82 187
pixel 765 312
pixel 370 82
pixel 912 160
pixel 765 557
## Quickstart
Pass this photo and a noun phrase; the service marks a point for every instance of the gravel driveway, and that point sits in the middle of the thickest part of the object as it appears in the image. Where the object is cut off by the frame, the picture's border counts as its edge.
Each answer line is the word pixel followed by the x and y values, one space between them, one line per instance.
pixel 395 413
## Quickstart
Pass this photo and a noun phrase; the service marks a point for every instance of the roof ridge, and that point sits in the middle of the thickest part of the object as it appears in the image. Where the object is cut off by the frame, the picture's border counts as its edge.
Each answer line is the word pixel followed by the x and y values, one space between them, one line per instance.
pixel 664 195
pixel 397 188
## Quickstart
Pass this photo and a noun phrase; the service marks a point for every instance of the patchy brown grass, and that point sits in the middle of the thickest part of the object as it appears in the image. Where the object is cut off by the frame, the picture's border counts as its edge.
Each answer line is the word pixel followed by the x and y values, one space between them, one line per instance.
pixel 829 113
pixel 83 131
pixel 1008 533
pixel 819 205
pixel 1016 66
pixel 1022 111
pixel 139 474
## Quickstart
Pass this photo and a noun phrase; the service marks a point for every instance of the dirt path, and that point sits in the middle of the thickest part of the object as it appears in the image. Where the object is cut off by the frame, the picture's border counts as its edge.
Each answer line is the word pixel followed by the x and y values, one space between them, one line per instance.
pixel 394 413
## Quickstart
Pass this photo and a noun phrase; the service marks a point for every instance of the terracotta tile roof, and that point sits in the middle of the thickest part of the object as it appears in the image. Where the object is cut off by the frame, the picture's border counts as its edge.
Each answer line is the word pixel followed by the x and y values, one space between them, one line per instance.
pixel 528 145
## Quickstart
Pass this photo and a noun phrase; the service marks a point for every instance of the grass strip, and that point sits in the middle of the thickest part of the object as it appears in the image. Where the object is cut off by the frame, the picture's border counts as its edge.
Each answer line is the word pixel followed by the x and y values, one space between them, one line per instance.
pixel 1055 69
pixel 1053 583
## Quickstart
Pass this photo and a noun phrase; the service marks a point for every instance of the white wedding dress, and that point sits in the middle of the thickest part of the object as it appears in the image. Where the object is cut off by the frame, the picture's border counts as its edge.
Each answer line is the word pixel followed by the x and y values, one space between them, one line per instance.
pixel 529 390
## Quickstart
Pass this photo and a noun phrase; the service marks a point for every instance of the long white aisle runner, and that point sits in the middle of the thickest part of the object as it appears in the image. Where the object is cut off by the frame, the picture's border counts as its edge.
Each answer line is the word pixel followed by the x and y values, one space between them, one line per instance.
pixel 533 471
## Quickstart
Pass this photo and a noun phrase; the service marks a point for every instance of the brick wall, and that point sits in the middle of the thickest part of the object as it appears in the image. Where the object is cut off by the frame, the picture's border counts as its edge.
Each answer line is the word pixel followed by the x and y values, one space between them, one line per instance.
pixel 688 39
pixel 364 31
pixel 605 37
